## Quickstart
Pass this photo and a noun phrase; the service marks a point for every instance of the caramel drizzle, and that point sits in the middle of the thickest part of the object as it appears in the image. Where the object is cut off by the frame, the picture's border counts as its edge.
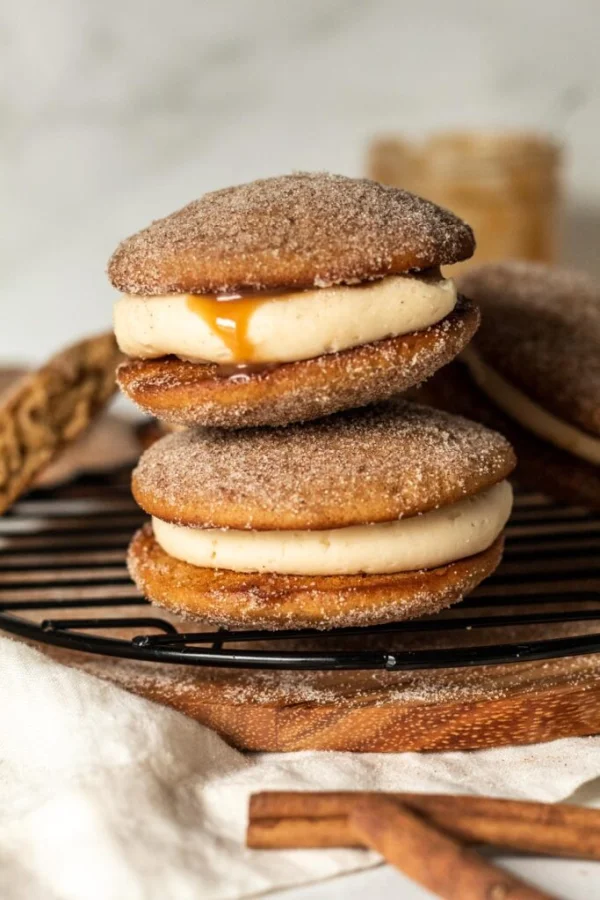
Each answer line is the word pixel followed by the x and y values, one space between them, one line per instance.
pixel 228 316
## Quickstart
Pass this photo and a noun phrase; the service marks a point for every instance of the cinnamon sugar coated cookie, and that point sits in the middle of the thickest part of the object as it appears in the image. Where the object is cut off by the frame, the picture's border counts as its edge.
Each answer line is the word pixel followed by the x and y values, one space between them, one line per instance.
pixel 370 465
pixel 362 517
pixel 287 299
pixel 302 230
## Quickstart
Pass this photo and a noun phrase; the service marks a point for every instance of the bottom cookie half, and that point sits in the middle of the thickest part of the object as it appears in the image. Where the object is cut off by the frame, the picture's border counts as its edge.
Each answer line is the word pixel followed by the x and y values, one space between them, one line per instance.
pixel 254 600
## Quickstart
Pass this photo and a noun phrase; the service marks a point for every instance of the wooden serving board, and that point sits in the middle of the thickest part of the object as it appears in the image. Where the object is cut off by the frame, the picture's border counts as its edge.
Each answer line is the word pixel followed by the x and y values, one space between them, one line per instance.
pixel 377 714
pixel 70 545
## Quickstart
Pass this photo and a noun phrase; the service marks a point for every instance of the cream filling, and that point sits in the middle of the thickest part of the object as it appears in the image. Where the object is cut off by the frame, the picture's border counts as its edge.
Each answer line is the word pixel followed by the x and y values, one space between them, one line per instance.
pixel 529 414
pixel 283 327
pixel 420 542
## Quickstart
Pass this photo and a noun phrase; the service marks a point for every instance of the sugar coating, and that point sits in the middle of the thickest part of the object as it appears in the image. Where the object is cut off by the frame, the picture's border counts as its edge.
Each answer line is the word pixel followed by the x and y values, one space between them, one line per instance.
pixel 309 229
pixel 364 466
pixel 541 331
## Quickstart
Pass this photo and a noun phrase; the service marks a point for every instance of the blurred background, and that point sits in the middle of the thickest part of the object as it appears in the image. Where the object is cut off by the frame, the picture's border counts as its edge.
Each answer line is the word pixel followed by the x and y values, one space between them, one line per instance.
pixel 116 112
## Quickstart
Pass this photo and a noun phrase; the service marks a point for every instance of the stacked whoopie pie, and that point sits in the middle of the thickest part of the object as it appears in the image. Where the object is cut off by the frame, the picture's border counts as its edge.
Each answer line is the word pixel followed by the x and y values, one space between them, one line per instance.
pixel 268 314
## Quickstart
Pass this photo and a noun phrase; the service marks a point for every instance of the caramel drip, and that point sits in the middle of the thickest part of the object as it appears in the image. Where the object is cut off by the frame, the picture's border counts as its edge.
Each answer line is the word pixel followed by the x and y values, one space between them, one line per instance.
pixel 228 316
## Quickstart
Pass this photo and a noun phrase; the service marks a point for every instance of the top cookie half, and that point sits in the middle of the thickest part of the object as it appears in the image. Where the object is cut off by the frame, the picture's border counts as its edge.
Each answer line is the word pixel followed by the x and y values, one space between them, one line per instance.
pixel 301 230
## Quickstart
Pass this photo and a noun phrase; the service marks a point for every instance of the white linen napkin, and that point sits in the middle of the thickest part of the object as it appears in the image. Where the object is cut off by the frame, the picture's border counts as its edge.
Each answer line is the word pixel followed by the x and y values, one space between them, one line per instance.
pixel 106 796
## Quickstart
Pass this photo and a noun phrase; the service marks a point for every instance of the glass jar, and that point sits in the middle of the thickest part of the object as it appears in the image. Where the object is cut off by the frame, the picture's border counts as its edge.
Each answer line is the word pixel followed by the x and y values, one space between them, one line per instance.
pixel 505 185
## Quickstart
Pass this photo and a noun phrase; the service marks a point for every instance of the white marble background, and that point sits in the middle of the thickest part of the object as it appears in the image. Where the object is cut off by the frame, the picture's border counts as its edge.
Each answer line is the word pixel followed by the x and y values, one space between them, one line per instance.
pixel 115 112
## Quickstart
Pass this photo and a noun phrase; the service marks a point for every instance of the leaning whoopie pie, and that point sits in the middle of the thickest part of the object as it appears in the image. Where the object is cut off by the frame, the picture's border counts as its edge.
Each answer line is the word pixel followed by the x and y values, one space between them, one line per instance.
pixel 533 372
pixel 288 299
pixel 365 517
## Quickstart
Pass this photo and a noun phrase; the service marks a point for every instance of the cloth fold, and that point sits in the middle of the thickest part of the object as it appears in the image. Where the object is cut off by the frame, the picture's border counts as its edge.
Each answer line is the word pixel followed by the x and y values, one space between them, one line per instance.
pixel 104 795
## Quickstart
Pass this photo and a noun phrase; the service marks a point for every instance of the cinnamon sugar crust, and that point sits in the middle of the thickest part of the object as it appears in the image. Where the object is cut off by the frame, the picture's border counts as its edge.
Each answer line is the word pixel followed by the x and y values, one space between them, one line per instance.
pixel 191 394
pixel 541 466
pixel 541 331
pixel 308 229
pixel 250 600
pixel 375 465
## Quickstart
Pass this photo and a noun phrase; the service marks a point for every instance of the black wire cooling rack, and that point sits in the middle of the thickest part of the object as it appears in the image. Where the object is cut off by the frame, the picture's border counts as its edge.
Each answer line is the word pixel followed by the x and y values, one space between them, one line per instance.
pixel 63 581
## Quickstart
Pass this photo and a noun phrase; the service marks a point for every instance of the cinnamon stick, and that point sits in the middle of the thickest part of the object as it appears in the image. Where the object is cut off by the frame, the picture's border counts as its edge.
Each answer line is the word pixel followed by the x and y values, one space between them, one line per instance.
pixel 286 819
pixel 301 833
pixel 431 857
